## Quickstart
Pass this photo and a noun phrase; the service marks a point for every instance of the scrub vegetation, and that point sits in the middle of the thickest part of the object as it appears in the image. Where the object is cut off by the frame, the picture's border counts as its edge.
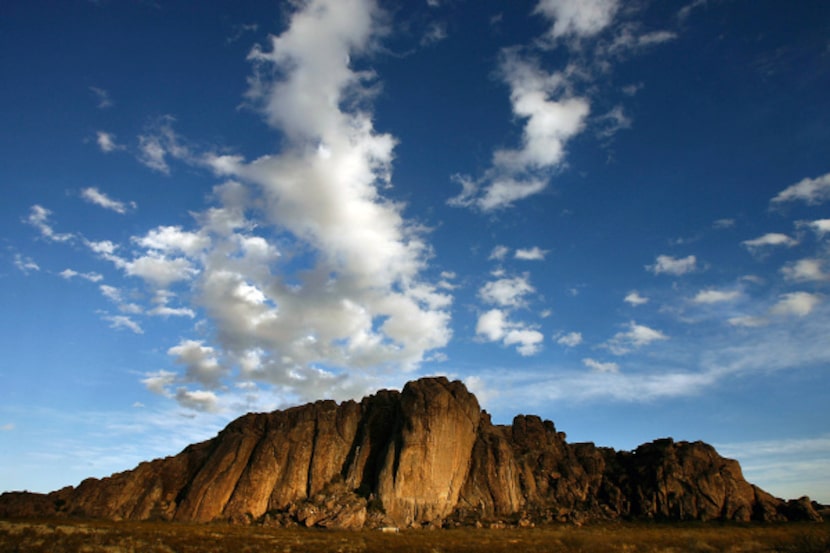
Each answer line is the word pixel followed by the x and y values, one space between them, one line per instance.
pixel 71 536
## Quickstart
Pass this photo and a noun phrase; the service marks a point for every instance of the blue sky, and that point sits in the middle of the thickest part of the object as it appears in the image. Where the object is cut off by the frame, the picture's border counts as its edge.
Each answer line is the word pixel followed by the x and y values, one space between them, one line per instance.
pixel 611 214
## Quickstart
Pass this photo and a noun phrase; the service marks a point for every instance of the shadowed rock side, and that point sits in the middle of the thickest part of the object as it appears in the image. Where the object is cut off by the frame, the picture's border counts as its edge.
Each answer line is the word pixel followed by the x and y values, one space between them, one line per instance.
pixel 426 455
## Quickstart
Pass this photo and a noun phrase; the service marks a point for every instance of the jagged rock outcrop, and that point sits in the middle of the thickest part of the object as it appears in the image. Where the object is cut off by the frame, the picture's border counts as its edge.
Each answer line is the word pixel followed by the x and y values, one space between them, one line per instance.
pixel 426 455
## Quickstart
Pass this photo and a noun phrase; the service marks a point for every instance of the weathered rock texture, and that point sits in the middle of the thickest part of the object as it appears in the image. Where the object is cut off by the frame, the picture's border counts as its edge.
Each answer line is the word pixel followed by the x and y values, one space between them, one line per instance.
pixel 425 456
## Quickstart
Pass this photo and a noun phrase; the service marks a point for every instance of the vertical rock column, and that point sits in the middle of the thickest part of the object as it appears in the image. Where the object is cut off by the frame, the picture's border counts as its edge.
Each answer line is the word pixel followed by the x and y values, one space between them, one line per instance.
pixel 430 455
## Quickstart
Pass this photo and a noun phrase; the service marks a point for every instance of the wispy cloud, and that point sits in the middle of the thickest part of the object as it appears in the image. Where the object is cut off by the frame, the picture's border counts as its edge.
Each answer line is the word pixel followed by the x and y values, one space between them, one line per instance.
pixel 25 264
pixel 107 143
pixel 812 191
pixel 95 196
pixel 39 218
pixel 103 97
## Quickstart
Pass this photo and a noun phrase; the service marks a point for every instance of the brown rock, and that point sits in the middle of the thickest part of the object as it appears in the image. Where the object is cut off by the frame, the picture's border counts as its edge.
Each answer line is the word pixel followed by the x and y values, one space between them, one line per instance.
pixel 426 456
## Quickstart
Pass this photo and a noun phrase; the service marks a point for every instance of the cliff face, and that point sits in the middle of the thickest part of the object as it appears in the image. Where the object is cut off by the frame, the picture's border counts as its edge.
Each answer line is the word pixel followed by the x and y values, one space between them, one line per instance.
pixel 424 456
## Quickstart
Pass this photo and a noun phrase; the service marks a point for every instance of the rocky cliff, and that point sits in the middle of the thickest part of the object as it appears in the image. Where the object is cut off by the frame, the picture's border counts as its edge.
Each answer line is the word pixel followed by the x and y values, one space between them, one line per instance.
pixel 426 455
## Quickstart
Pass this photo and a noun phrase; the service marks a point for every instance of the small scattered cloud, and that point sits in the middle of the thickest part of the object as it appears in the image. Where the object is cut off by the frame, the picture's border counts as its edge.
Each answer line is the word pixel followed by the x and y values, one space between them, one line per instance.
pixel 25 264
pixel 820 226
pixel 634 298
pixel 8 427
pixel 495 326
pixel 570 340
pixel 771 239
pixel 507 292
pixel 612 122
pixel 724 224
pixel 103 97
pixel 95 196
pixel 668 265
pixel 635 337
pixel 531 254
pixel 239 30
pixel 435 32
pixel 119 322
pixel 601 367
pixel 69 274
pixel 499 253
pixel 748 321
pixel 805 270
pixel 811 191
pixel 198 400
pixel 687 10
pixel 799 304
pixel 39 218
pixel 106 142
pixel 159 381
pixel 160 143
pixel 716 296
pixel 577 18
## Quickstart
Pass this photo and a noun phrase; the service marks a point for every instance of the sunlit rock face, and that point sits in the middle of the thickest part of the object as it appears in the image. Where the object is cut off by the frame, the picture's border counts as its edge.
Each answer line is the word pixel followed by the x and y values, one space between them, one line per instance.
pixel 425 456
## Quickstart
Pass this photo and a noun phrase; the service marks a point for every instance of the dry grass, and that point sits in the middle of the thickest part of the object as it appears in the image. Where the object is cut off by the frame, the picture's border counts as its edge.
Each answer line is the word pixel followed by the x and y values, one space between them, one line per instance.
pixel 68 536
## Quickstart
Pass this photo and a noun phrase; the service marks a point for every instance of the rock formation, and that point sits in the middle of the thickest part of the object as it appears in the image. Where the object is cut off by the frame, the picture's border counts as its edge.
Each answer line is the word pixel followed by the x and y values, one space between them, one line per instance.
pixel 426 455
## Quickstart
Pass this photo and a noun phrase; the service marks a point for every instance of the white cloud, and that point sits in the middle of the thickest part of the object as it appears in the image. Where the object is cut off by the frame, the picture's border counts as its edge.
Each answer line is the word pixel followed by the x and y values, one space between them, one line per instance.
pixel 166 311
pixel 770 239
pixel 69 274
pixel 25 264
pixel 39 218
pixel 495 326
pixel 106 142
pixel 506 292
pixel 531 254
pixel 344 296
pixel 716 296
pixel 551 115
pixel 635 337
pixel 168 239
pixel 602 367
pixel 578 18
pixel 122 321
pixel 159 270
pixel 161 142
pixel 799 304
pixel 811 191
pixel 492 324
pixel 8 427
pixel 571 339
pixel 95 196
pixel 634 298
pixel 820 226
pixel 499 253
pixel 528 341
pixel 666 264
pixel 805 270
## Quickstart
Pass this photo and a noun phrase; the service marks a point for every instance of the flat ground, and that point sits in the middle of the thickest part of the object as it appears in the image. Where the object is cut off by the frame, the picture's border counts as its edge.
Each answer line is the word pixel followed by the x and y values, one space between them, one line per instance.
pixel 69 536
